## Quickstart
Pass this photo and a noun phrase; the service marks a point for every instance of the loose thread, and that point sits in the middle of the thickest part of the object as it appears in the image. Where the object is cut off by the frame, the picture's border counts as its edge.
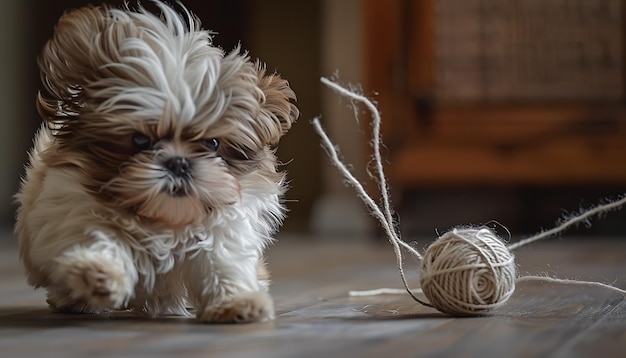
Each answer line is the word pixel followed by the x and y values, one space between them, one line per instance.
pixel 600 209
pixel 382 291
pixel 386 218
pixel 570 282
pixel 395 241
pixel 376 140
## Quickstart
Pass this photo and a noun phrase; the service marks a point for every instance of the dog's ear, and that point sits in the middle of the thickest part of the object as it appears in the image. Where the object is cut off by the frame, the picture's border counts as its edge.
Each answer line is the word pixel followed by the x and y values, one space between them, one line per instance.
pixel 69 60
pixel 278 112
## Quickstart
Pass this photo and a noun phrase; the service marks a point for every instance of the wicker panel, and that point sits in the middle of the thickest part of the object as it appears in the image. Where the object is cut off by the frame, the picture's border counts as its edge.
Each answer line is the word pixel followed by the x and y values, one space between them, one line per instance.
pixel 529 50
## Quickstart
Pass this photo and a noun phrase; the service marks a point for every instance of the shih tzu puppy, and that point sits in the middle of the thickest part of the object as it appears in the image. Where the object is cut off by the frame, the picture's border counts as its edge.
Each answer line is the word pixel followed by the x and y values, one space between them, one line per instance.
pixel 152 185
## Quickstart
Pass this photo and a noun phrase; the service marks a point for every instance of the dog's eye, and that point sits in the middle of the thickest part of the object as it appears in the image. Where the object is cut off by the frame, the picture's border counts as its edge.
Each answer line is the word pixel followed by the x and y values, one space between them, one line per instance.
pixel 141 141
pixel 211 144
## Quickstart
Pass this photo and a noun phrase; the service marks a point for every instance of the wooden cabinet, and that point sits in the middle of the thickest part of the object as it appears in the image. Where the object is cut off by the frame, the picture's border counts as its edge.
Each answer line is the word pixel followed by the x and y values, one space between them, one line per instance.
pixel 500 92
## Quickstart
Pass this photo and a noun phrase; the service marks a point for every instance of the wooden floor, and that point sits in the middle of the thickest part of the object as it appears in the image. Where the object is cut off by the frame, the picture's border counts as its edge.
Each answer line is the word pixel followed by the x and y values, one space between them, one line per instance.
pixel 316 318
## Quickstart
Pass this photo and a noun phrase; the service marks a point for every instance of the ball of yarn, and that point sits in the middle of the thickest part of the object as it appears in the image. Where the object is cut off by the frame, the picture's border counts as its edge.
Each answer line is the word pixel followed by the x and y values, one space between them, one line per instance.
pixel 467 272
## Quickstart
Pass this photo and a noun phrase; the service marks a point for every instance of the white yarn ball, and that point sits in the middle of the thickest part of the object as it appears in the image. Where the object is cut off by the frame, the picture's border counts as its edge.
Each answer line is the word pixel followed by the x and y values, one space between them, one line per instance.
pixel 468 271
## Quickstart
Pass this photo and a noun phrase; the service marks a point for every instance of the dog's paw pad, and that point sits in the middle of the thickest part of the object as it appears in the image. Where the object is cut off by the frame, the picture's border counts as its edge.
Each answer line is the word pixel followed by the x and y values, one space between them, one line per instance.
pixel 250 307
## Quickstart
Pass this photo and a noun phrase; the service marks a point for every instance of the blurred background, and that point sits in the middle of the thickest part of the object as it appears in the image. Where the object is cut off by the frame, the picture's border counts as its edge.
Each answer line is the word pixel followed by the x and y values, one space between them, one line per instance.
pixel 510 111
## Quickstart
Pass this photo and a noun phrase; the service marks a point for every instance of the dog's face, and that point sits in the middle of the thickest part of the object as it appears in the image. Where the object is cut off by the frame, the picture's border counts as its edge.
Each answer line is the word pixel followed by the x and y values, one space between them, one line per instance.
pixel 160 123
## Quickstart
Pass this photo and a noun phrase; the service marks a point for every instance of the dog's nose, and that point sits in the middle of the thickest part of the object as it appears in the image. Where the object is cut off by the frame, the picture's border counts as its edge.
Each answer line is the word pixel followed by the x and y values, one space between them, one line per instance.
pixel 179 166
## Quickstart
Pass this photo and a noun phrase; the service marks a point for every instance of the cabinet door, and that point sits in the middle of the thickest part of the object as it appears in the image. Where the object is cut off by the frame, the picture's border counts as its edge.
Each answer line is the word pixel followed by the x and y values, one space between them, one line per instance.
pixel 519 92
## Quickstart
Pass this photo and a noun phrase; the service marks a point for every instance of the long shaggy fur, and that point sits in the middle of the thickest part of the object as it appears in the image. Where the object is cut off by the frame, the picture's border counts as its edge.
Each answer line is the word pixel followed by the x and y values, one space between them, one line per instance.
pixel 152 183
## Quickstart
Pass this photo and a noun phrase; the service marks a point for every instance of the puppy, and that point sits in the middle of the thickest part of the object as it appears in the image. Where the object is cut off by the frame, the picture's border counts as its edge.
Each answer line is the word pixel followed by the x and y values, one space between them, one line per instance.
pixel 152 184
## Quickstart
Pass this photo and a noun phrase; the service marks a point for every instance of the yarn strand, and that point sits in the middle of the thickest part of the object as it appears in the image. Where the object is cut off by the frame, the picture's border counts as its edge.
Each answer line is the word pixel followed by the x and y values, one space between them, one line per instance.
pixel 375 211
pixel 376 140
pixel 369 202
pixel 586 215
pixel 381 291
pixel 570 282
pixel 384 216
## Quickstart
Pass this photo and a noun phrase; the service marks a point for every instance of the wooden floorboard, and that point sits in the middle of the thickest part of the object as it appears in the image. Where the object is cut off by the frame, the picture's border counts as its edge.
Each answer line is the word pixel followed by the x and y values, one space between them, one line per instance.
pixel 316 317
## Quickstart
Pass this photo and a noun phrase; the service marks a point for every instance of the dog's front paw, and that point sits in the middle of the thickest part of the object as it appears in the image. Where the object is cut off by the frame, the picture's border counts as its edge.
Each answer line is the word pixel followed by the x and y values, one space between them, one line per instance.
pixel 91 284
pixel 249 307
